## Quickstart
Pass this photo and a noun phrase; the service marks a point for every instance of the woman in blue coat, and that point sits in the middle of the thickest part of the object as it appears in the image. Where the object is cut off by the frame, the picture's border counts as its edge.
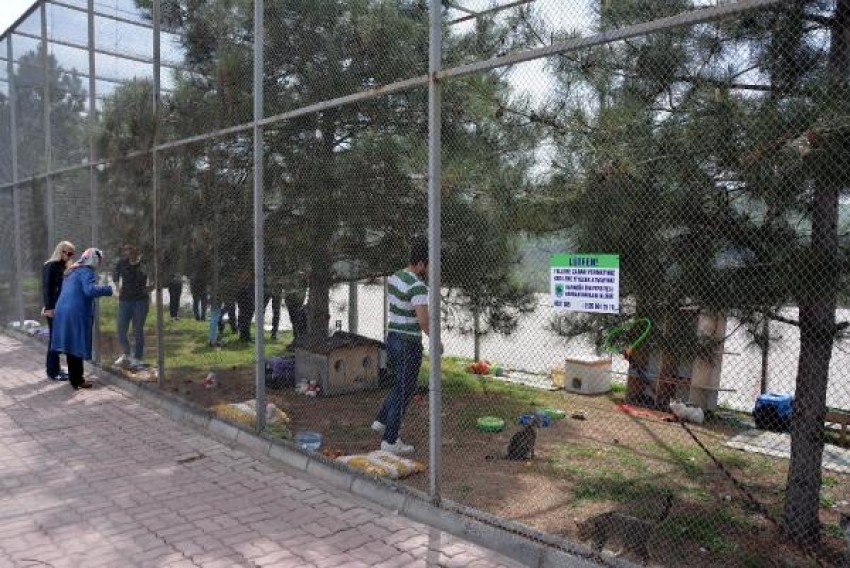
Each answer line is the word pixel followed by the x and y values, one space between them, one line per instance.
pixel 73 315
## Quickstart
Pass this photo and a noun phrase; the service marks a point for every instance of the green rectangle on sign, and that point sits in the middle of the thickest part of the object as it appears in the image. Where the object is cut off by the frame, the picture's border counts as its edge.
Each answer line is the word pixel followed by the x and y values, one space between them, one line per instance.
pixel 585 261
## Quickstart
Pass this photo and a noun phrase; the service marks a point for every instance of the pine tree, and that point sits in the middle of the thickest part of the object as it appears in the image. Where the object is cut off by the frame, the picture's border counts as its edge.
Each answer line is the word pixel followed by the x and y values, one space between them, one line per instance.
pixel 719 192
pixel 343 186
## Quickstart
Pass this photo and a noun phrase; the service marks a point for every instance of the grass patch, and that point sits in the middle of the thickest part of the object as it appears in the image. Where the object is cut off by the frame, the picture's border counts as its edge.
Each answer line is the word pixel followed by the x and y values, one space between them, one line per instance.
pixel 569 453
pixel 578 470
pixel 826 501
pixel 827 498
pixel 499 398
pixel 278 431
pixel 698 494
pixel 829 482
pixel 31 285
pixel 456 381
pixel 600 484
pixel 706 531
pixel 735 459
pixel 605 458
pixel 691 459
pixel 752 560
pixel 186 342
pixel 833 531
pixel 629 459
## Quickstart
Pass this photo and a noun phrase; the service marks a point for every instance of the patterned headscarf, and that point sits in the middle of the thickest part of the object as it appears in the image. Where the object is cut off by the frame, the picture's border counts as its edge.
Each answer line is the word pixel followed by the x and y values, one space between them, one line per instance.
pixel 91 257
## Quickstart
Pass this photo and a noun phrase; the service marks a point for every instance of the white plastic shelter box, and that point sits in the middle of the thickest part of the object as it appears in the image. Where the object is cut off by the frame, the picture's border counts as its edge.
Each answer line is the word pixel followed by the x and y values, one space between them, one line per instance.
pixel 591 375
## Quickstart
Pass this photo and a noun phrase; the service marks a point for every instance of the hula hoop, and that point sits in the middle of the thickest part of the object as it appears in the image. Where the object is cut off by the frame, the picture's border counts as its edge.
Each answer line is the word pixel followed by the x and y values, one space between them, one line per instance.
pixel 617 331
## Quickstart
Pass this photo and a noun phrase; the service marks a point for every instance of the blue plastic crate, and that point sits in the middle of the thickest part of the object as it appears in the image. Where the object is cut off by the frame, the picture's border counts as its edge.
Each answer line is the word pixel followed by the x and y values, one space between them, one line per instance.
pixel 781 402
pixel 773 412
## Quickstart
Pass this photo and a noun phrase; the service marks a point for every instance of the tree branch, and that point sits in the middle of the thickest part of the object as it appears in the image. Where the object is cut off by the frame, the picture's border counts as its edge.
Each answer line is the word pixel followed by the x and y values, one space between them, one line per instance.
pixel 823 20
pixel 776 317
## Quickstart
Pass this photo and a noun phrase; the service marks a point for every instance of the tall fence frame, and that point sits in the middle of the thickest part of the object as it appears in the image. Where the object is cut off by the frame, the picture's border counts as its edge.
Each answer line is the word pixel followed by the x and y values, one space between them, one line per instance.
pixel 436 78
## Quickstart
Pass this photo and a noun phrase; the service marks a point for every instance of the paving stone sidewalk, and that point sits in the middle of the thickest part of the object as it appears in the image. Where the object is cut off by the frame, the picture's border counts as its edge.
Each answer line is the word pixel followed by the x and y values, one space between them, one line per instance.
pixel 778 445
pixel 94 479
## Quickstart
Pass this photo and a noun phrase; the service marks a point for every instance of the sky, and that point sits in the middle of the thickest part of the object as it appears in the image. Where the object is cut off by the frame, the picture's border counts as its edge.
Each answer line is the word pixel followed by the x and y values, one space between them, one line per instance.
pixel 11 11
pixel 529 78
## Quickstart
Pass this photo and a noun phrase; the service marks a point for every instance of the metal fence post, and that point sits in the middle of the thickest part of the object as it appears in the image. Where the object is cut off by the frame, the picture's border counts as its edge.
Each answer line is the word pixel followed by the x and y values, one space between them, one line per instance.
pixel 259 267
pixel 434 204
pixel 157 222
pixel 48 134
pixel 16 188
pixel 95 233
pixel 386 301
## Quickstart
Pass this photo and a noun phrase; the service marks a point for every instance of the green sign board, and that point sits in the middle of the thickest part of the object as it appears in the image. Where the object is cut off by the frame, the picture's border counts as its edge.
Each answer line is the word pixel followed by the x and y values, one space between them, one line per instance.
pixel 586 282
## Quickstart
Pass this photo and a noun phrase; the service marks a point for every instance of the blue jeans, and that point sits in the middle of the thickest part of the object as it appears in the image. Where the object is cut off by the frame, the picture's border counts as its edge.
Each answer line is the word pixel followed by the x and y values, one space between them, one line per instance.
pixel 215 317
pixel 135 311
pixel 52 363
pixel 405 355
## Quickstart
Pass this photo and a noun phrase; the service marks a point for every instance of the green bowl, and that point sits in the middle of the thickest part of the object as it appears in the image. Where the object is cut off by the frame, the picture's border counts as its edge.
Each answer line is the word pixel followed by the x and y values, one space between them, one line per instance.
pixel 553 413
pixel 491 424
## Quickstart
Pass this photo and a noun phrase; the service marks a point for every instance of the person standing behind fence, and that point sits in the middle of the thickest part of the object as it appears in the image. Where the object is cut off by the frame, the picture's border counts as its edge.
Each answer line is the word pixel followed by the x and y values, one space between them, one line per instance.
pixel 74 315
pixel 408 319
pixel 199 278
pixel 52 274
pixel 245 305
pixel 228 291
pixel 175 290
pixel 273 292
pixel 133 302
pixel 294 300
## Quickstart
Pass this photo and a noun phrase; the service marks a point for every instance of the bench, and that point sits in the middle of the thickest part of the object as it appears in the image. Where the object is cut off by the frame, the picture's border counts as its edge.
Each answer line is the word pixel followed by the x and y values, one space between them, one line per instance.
pixel 841 418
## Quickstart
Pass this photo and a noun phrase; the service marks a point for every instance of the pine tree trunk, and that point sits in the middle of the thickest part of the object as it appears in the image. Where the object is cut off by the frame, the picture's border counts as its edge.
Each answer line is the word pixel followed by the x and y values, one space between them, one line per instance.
pixel 322 240
pixel 817 319
pixel 765 354
pixel 802 521
pixel 318 303
pixel 476 334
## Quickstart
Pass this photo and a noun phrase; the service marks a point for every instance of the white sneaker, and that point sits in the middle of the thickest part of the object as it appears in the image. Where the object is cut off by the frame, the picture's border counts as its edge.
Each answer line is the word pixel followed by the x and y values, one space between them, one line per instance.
pixel 136 363
pixel 122 361
pixel 399 448
pixel 378 427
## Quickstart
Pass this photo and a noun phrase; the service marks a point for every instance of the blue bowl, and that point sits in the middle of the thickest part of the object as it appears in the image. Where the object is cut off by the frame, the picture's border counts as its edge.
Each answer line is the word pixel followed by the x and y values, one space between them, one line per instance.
pixel 542 419
pixel 310 441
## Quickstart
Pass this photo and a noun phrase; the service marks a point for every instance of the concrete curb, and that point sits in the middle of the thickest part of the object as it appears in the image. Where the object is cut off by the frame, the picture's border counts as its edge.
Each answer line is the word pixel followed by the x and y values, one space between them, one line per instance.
pixel 516 541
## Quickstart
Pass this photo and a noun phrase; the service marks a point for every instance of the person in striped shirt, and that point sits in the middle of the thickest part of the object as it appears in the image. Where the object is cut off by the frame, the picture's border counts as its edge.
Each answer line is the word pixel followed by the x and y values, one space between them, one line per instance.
pixel 408 320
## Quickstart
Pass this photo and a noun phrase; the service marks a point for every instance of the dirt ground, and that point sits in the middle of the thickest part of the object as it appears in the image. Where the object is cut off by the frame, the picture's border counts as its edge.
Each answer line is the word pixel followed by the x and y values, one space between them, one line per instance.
pixel 609 461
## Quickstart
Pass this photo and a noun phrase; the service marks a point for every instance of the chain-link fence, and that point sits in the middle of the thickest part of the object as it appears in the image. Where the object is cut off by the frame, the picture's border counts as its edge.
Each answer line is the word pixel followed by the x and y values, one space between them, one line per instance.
pixel 638 209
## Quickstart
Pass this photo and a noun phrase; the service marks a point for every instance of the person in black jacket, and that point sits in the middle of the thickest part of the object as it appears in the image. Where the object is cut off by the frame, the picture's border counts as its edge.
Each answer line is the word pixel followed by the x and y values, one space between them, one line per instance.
pixel 133 301
pixel 51 286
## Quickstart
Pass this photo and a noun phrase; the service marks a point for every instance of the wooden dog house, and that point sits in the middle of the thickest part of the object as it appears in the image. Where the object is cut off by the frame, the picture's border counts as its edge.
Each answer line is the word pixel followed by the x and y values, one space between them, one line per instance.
pixel 343 363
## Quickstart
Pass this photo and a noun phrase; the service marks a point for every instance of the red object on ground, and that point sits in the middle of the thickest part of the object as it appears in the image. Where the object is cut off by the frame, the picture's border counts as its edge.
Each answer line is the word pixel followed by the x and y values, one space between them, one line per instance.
pixel 479 368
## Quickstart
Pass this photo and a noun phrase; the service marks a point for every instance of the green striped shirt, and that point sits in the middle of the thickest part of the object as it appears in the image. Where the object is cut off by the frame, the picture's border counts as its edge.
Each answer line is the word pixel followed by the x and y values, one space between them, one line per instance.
pixel 406 291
